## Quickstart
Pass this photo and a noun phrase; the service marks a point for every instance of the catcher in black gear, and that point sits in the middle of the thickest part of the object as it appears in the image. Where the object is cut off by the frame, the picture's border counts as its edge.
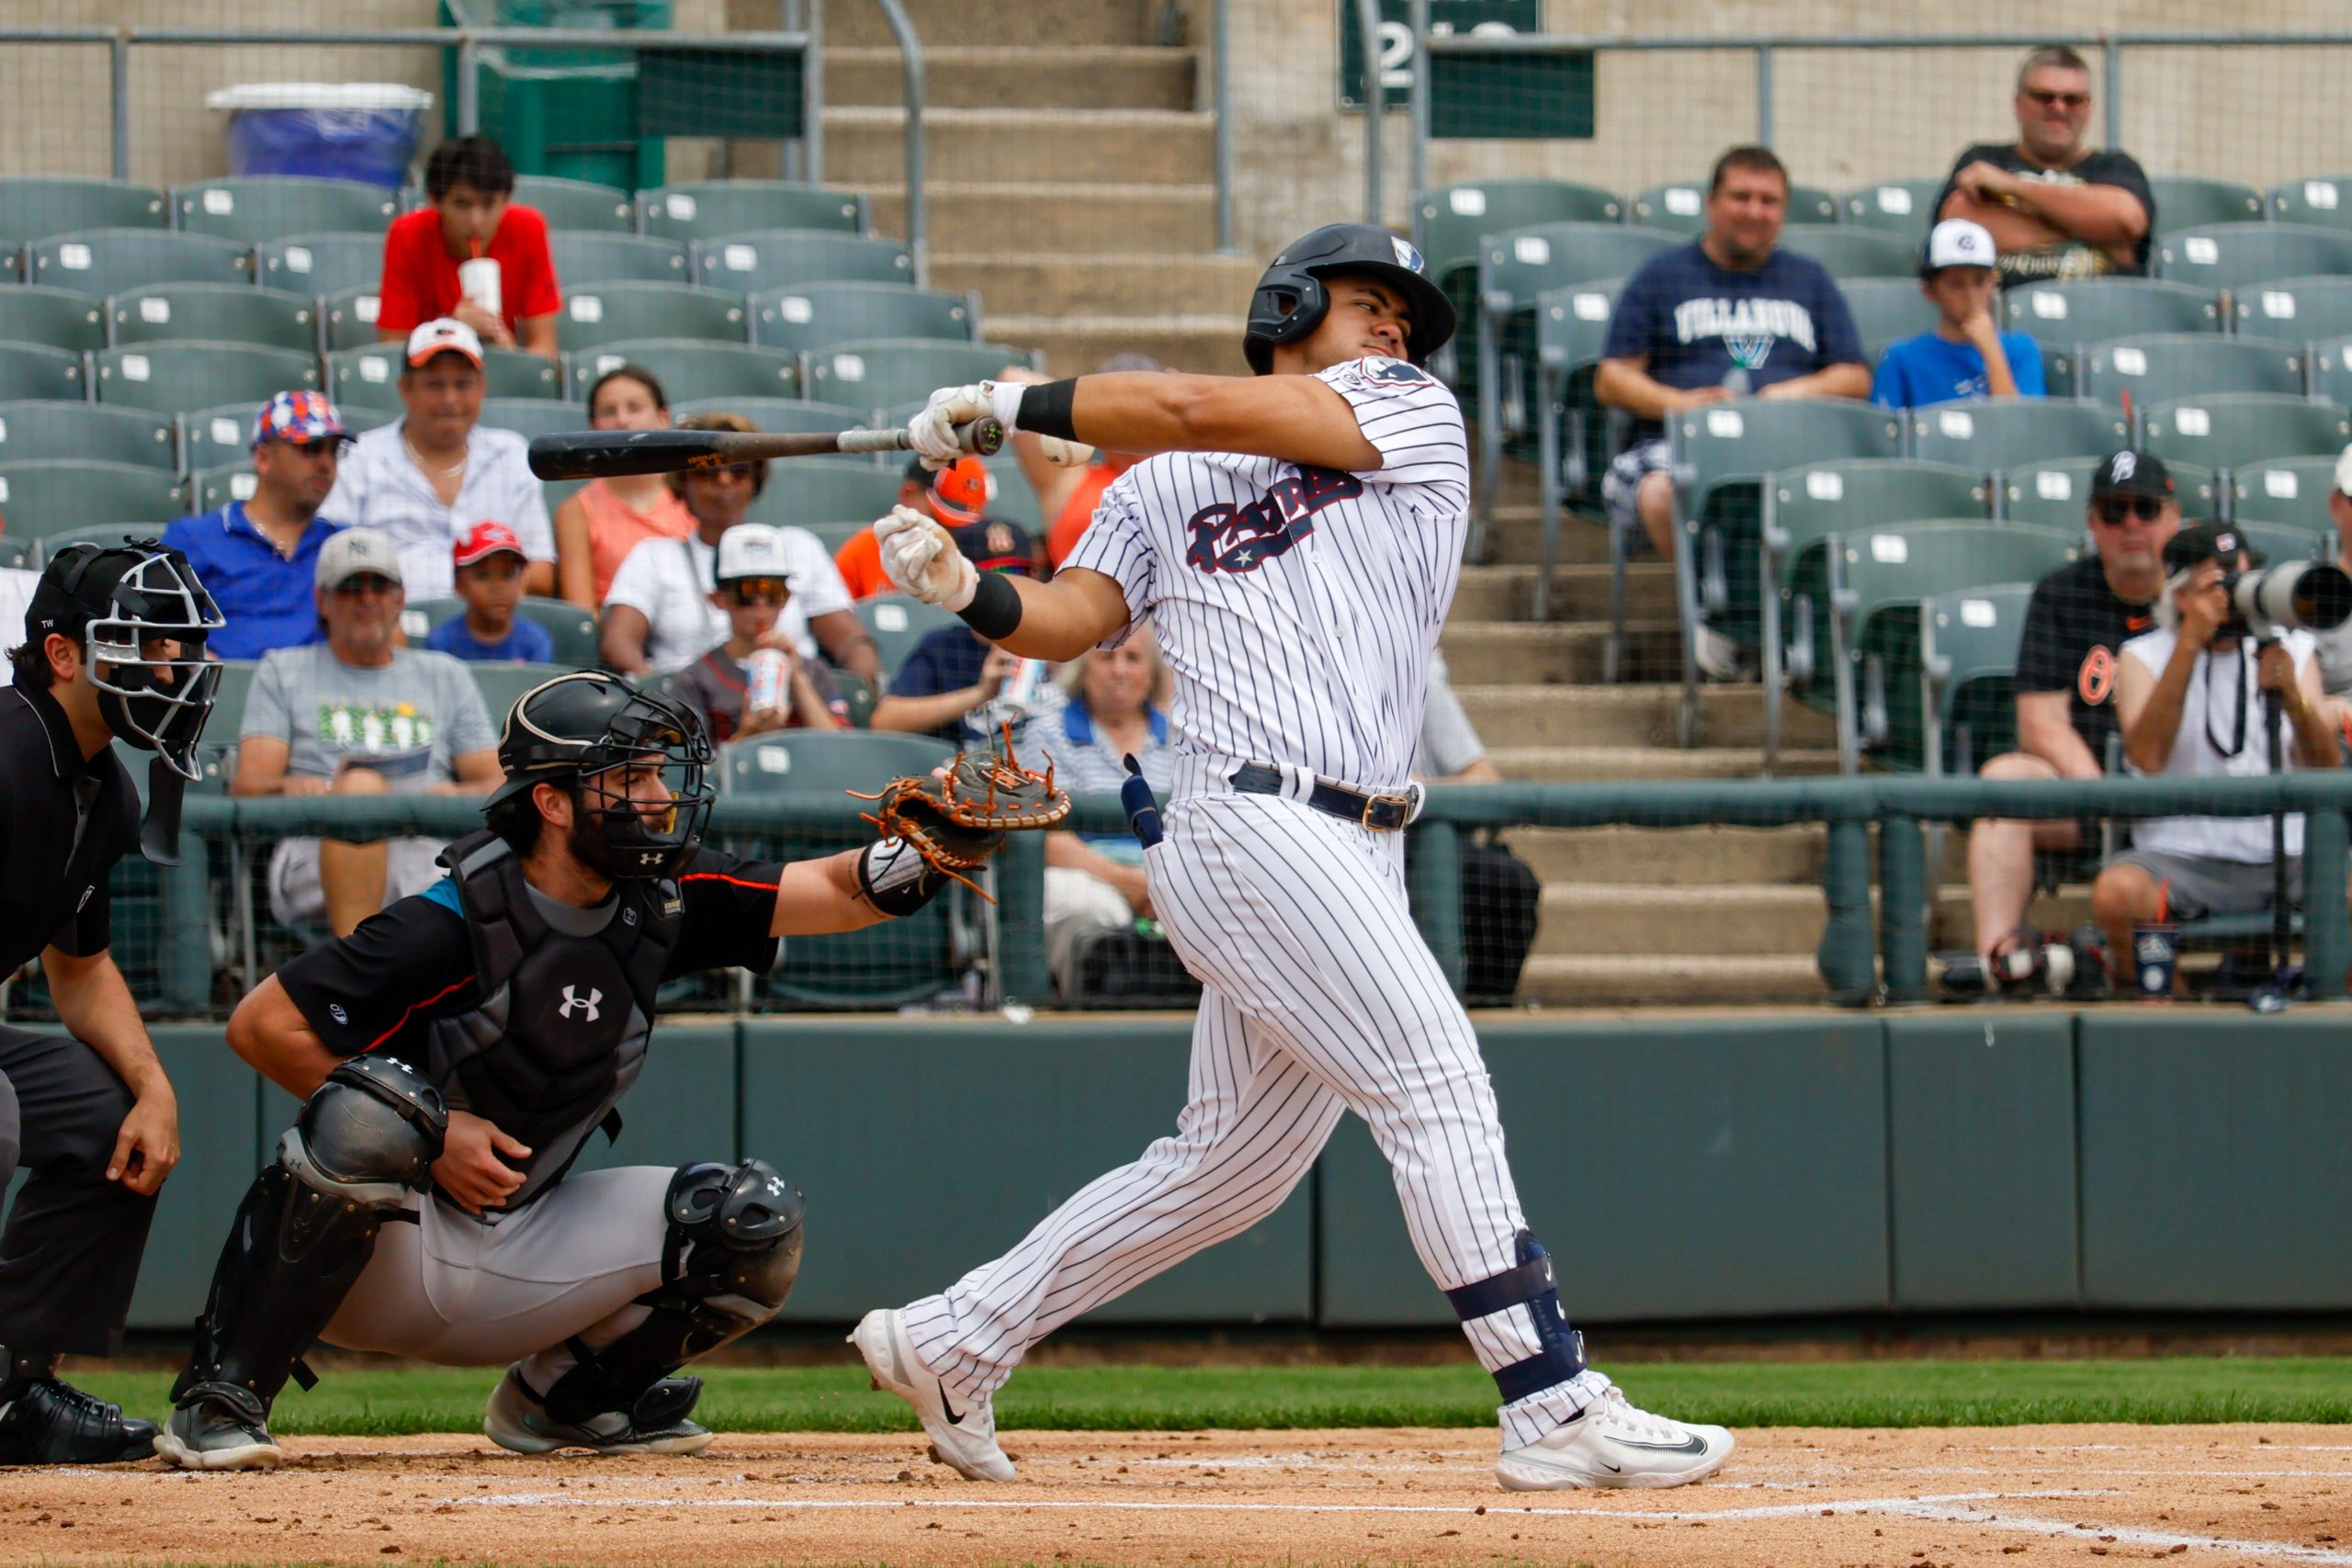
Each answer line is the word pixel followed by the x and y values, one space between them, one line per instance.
pixel 455 1053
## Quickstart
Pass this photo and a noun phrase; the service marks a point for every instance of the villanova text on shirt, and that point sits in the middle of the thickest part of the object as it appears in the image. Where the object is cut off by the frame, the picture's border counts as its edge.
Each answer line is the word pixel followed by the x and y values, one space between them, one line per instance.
pixel 1781 319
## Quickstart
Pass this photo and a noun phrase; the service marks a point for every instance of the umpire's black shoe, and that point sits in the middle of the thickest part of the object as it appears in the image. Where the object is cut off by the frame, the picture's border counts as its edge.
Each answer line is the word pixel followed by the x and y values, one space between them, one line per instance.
pixel 220 1425
pixel 47 1422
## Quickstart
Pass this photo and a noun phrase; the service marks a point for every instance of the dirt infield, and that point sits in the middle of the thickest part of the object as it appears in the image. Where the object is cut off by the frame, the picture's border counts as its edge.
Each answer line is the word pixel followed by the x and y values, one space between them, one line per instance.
pixel 1794 1498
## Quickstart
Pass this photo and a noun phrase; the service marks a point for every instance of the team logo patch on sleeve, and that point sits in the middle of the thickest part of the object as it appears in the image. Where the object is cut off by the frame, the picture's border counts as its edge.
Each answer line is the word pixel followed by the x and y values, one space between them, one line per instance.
pixel 1395 372
pixel 1226 538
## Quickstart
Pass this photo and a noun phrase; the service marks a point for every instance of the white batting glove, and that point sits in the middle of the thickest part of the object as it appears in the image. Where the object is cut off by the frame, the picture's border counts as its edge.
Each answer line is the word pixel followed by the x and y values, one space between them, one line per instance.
pixel 918 555
pixel 931 433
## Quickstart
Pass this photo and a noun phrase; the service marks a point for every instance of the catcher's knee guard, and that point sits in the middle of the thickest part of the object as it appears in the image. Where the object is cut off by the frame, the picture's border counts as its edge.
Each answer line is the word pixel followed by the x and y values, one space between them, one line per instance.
pixel 308 1223
pixel 728 1262
pixel 1531 1284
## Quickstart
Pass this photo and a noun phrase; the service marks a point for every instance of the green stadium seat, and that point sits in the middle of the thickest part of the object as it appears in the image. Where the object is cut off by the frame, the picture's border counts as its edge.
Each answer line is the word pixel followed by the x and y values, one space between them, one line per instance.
pixel 2063 317
pixel 781 415
pixel 217 312
pixel 579 206
pixel 49 495
pixel 1679 207
pixel 1853 253
pixel 600 313
pixel 2331 363
pixel 826 489
pixel 32 431
pixel 501 684
pixel 216 488
pixel 1456 218
pixel 712 210
pixel 581 259
pixel 1886 311
pixel 1572 430
pixel 896 622
pixel 325 263
pixel 1968 665
pixel 2293 310
pixel 113 261
pixel 2186 202
pixel 573 628
pixel 2289 492
pixel 51 375
pixel 217 436
pixel 33 207
pixel 1905 209
pixel 2322 201
pixel 531 416
pixel 881 373
pixel 372 374
pixel 2302 540
pixel 2160 368
pixel 53 318
pixel 348 316
pixel 774 258
pixel 176 377
pixel 19 555
pixel 714 369
pixel 50 546
pixel 2056 491
pixel 2231 256
pixel 810 317
pixel 1978 434
pixel 2243 427
pixel 268 206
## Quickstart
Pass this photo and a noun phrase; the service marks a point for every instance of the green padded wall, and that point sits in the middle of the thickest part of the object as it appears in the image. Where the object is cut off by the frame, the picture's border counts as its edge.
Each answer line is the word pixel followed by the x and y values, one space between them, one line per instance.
pixel 1981 1123
pixel 219 1104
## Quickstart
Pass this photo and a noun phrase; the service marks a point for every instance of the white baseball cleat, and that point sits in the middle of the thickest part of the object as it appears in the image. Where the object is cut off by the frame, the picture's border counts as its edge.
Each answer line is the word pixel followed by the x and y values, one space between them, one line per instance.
pixel 964 1441
pixel 1614 1444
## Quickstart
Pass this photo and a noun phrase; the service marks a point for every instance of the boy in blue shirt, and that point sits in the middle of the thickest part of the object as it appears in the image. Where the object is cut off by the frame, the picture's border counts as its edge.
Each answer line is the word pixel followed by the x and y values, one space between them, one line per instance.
pixel 1967 355
pixel 489 564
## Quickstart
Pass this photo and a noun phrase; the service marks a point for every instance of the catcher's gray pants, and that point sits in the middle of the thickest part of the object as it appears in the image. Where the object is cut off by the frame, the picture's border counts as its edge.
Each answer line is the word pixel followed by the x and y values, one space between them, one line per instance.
pixel 454 1291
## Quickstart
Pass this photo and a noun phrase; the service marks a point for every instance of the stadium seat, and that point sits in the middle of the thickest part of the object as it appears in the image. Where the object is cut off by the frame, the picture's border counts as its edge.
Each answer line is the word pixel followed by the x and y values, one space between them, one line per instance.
pixel 2322 201
pixel 2184 202
pixel 573 628
pixel 826 489
pixel 1853 253
pixel 174 378
pixel 1977 433
pixel 577 206
pixel 2231 256
pixel 714 369
pixel 2294 309
pixel 2301 540
pixel 19 555
pixel 113 261
pixel 321 263
pixel 216 488
pixel 53 494
pixel 371 375
pixel 709 210
pixel 1886 311
pixel 897 623
pixel 2243 427
pixel 2331 362
pixel 33 207
pixel 2161 366
pixel 217 436
pixel 882 373
pixel 531 416
pixel 28 370
pixel 2056 491
pixel 600 313
pixel 781 415
pixel 581 259
pixel 53 318
pixel 772 258
pixel 810 317
pixel 1968 664
pixel 217 312
pixel 1572 430
pixel 2063 317
pixel 1455 219
pixel 48 547
pixel 32 431
pixel 501 684
pixel 1679 207
pixel 2287 492
pixel 266 207
pixel 348 316
pixel 1905 209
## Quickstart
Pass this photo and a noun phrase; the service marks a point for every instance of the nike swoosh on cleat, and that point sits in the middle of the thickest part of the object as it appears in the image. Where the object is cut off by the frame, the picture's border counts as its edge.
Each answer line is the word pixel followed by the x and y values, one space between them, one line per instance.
pixel 1693 1444
pixel 954 1416
pixel 1611 1469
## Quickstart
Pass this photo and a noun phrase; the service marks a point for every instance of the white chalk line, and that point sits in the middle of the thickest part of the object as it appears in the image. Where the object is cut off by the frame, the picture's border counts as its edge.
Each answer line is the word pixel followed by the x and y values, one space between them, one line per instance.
pixel 2121 1535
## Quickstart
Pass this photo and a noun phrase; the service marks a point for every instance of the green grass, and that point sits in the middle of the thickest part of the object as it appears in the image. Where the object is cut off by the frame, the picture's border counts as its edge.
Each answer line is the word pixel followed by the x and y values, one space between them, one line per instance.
pixel 1743 1394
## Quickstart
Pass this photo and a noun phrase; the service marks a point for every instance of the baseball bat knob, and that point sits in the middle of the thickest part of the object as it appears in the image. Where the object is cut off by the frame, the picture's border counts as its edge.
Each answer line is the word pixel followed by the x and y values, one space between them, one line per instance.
pixel 984 437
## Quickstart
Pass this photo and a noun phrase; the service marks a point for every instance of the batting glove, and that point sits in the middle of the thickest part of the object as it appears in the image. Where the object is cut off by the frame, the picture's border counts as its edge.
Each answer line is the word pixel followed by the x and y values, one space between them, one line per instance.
pixel 931 433
pixel 918 555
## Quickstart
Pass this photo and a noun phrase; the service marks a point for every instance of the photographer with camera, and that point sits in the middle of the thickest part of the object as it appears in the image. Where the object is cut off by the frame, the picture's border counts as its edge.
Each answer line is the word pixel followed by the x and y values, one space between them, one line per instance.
pixel 2230 670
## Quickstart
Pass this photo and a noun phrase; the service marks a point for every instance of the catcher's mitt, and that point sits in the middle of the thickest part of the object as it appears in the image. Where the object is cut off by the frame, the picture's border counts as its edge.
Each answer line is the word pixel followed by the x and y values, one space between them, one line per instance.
pixel 955 823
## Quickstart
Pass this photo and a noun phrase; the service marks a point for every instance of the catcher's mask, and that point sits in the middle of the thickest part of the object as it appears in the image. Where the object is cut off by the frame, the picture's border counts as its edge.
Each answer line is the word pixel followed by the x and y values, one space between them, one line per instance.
pixel 636 764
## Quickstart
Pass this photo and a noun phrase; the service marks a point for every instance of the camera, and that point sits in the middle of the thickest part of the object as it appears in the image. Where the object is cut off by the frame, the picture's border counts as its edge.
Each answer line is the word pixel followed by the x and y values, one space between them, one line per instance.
pixel 2046 963
pixel 2301 596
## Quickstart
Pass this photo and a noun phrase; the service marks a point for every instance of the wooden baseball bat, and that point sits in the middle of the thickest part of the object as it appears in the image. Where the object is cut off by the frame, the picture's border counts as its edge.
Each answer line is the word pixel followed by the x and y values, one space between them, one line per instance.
pixel 610 454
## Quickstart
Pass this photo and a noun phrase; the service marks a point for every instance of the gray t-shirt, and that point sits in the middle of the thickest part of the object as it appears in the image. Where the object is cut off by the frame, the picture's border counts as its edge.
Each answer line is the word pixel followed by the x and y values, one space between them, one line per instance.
pixel 1448 743
pixel 2336 660
pixel 406 720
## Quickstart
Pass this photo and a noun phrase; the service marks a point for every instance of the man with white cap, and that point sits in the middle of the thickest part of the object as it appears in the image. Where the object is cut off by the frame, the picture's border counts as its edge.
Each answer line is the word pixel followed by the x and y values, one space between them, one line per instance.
pixel 360 714
pixel 426 479
pixel 1967 354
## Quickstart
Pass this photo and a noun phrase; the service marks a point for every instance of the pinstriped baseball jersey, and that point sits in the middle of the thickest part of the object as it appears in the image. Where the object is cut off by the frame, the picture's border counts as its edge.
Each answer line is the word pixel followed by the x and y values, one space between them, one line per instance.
pixel 1298 606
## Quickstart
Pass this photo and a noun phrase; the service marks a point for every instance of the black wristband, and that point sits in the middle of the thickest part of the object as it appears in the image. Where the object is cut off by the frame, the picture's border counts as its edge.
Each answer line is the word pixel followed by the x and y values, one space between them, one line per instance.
pixel 895 879
pixel 995 609
pixel 1046 411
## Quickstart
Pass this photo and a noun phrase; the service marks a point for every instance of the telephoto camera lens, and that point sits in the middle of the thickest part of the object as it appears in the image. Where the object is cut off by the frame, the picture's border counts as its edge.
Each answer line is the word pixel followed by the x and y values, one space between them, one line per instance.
pixel 2302 596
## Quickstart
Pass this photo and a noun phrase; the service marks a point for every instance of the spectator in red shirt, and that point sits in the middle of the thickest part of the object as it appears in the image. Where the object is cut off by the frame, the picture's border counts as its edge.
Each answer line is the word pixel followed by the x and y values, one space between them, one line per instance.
pixel 473 216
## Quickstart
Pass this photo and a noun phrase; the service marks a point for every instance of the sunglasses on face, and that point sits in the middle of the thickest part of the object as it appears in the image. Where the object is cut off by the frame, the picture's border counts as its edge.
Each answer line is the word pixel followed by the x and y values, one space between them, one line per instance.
pixel 366 582
pixel 2115 509
pixel 2060 100
pixel 759 591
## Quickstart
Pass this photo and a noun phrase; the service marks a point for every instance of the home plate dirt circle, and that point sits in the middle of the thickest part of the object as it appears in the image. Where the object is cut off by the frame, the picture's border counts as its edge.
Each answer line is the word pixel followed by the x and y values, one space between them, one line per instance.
pixel 1793 1497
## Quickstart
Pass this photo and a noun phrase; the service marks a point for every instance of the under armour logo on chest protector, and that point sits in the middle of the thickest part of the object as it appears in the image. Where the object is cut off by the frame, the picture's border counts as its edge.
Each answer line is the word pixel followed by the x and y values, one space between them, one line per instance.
pixel 588 1002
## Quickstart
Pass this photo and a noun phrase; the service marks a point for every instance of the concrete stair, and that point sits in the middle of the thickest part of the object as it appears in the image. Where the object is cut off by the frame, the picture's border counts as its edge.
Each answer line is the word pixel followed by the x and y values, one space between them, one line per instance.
pixel 1636 919
pixel 946 25
pixel 955 76
pixel 1676 978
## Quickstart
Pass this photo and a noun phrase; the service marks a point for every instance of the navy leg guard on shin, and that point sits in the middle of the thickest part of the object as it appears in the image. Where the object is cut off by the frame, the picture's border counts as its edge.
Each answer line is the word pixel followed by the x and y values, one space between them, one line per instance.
pixel 1530 1285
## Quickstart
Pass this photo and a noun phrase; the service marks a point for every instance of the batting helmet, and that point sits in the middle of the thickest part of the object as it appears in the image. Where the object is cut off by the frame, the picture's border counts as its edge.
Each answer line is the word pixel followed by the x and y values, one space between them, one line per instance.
pixel 576 731
pixel 1290 301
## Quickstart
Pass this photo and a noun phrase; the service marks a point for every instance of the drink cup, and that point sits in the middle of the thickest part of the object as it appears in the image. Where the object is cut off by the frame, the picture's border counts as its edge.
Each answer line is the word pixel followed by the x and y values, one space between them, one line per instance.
pixel 479 280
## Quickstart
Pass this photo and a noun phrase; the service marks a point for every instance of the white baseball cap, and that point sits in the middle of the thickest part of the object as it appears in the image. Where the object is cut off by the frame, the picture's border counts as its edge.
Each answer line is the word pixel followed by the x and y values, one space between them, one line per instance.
pixel 1956 242
pixel 354 552
pixel 750 549
pixel 2343 471
pixel 442 335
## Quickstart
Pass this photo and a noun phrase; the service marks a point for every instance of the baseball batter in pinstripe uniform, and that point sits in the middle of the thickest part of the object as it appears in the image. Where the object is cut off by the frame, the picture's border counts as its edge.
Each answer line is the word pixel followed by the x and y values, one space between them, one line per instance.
pixel 1296 545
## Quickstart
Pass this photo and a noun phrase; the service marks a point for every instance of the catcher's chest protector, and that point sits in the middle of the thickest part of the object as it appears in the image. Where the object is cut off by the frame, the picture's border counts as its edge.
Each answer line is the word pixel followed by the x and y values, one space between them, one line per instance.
pixel 562 1028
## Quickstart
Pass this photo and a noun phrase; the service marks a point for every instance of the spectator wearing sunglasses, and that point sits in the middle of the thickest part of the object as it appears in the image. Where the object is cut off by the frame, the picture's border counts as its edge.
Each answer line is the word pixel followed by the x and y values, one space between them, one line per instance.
pixel 2056 209
pixel 755 586
pixel 2076 625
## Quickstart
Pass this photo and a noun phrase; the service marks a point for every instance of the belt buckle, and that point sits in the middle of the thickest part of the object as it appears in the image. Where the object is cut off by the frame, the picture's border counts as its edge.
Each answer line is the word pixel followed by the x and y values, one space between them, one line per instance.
pixel 1403 804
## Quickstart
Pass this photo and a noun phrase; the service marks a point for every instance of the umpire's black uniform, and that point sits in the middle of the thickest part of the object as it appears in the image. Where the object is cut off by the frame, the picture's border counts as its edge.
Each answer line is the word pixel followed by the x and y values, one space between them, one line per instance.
pixel 68 1256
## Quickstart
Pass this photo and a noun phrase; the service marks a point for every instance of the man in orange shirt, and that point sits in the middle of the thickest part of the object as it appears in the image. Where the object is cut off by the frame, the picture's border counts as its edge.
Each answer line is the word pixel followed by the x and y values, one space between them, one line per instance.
pixel 958 495
pixel 509 304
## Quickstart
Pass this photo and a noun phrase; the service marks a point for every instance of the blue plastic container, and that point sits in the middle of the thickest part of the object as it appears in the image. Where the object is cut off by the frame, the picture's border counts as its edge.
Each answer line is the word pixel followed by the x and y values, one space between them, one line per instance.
pixel 341 130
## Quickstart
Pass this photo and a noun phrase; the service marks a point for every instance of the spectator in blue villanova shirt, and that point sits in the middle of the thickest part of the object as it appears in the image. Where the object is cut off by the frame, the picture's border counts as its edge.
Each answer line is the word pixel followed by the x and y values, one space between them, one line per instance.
pixel 1729 315
pixel 1967 354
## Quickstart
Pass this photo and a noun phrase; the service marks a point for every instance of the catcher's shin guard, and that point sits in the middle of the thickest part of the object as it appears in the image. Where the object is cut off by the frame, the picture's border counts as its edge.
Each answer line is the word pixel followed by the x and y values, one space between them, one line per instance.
pixel 732 1252
pixel 1530 1285
pixel 308 1226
